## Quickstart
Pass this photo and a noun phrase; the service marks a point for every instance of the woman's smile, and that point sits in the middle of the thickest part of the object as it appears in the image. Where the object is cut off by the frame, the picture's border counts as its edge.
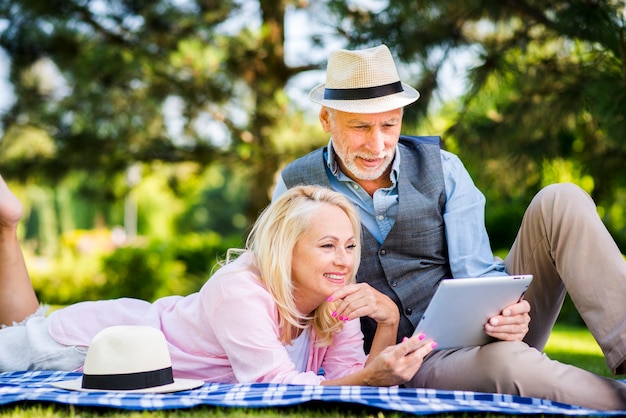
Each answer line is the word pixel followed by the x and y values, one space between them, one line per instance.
pixel 336 278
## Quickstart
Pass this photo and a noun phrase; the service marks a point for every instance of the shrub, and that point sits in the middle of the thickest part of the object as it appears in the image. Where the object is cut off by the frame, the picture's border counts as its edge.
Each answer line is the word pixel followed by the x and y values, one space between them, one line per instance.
pixel 146 270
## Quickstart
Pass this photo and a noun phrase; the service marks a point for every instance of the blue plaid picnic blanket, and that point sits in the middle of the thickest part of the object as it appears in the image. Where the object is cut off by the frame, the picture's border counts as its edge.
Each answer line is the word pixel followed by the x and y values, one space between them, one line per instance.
pixel 35 386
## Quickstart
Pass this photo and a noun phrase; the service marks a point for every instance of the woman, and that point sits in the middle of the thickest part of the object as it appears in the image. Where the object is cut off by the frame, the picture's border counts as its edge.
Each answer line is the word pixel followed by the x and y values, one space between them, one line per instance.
pixel 286 308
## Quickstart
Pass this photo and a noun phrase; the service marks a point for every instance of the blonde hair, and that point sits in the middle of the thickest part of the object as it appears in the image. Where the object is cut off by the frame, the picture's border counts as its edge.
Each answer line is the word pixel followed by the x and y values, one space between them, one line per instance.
pixel 272 240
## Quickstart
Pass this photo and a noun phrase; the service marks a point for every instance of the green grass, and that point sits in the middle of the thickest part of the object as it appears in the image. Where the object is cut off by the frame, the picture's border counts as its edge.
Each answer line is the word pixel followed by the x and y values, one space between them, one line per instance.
pixel 567 344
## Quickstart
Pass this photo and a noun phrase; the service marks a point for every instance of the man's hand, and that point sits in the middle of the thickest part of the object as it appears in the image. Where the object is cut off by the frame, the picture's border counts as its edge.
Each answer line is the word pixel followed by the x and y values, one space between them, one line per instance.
pixel 511 324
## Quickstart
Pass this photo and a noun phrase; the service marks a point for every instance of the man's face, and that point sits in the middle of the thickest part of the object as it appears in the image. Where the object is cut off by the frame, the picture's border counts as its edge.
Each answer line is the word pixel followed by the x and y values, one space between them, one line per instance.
pixel 364 143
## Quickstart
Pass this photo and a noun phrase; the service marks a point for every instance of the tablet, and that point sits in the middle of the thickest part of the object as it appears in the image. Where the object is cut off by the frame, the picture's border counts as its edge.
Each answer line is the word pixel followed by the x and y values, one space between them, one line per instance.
pixel 459 309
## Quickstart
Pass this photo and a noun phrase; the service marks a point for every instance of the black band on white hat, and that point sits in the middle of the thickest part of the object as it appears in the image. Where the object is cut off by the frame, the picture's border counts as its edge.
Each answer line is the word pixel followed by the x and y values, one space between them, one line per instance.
pixel 128 381
pixel 363 92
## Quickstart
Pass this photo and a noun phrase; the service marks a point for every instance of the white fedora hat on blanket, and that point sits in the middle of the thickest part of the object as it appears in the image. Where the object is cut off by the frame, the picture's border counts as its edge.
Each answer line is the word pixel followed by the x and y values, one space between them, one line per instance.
pixel 363 81
pixel 129 358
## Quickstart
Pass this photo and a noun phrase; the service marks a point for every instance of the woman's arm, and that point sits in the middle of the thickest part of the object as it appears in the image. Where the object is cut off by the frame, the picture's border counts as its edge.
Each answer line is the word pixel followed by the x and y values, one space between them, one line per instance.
pixel 388 363
pixel 243 318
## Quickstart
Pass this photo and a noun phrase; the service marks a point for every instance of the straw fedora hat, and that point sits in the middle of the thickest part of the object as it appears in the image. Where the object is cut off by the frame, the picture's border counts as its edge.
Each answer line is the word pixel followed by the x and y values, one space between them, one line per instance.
pixel 363 81
pixel 129 358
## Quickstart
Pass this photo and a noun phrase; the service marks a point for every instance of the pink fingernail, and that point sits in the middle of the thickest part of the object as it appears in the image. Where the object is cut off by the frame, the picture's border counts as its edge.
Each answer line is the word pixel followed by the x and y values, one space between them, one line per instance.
pixel 345 318
pixel 334 314
pixel 433 345
pixel 341 318
pixel 330 298
pixel 421 337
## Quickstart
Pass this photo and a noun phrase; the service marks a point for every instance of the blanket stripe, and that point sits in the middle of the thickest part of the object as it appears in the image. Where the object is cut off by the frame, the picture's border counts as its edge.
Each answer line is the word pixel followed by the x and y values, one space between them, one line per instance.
pixel 35 386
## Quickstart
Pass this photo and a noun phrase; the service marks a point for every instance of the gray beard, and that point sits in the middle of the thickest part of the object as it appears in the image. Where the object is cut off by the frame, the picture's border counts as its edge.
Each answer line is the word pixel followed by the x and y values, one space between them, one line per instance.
pixel 360 174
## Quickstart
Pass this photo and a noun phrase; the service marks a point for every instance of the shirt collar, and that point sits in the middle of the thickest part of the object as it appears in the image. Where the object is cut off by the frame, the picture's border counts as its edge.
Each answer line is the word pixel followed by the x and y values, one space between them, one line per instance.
pixel 331 162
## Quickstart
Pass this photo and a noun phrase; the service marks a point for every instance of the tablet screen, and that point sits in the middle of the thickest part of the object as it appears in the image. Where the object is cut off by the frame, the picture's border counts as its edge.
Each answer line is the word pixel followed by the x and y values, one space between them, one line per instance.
pixel 459 309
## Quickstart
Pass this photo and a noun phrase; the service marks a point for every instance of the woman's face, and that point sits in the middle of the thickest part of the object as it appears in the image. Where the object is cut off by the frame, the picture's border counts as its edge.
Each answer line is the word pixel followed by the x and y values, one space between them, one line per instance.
pixel 323 258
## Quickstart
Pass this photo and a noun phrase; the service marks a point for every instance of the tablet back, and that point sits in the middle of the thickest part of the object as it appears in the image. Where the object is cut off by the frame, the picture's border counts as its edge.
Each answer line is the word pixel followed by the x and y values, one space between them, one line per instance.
pixel 460 308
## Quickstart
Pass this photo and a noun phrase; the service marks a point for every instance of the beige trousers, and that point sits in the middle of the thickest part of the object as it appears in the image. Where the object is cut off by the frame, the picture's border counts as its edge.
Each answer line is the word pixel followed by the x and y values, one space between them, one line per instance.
pixel 565 245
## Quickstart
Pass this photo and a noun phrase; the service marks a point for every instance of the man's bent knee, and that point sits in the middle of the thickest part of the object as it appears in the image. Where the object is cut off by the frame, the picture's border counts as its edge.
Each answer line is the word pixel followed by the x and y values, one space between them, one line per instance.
pixel 507 365
pixel 562 200
pixel 561 192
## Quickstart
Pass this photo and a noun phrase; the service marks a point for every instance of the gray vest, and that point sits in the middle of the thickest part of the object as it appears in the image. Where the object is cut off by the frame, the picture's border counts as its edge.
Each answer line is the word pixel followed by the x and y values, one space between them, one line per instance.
pixel 412 260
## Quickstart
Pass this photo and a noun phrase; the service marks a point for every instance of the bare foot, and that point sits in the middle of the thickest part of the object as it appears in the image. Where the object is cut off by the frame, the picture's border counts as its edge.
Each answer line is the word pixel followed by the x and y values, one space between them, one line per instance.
pixel 10 207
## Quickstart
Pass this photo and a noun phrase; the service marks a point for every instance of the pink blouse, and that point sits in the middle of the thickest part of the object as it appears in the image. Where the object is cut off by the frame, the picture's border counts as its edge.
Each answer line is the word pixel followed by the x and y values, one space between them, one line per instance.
pixel 227 332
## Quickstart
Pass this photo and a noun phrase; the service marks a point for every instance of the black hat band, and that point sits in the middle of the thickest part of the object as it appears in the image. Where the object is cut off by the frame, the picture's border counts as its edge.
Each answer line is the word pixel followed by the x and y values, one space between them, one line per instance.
pixel 129 381
pixel 363 92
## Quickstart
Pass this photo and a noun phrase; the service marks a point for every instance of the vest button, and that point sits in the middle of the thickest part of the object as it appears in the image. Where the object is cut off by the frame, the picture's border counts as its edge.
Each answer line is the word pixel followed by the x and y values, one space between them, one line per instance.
pixel 408 311
pixel 394 284
pixel 383 252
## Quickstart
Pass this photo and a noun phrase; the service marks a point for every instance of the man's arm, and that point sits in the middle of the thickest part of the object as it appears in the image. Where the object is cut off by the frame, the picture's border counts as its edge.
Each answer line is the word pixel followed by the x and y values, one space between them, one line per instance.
pixel 469 250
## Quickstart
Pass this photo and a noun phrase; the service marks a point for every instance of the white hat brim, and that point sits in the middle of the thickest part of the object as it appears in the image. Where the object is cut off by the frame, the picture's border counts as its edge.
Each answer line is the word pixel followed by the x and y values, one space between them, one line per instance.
pixel 374 105
pixel 177 386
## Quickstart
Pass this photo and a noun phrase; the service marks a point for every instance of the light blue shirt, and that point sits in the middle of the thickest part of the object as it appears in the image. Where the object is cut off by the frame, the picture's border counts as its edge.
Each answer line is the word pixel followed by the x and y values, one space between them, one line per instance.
pixel 469 249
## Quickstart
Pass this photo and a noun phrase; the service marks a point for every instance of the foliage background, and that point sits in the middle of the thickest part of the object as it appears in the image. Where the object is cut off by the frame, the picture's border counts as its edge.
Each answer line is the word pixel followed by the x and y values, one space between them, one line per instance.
pixel 144 137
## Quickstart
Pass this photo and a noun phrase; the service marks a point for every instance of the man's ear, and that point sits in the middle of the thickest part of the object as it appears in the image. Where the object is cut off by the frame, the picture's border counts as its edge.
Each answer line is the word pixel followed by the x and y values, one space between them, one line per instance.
pixel 325 118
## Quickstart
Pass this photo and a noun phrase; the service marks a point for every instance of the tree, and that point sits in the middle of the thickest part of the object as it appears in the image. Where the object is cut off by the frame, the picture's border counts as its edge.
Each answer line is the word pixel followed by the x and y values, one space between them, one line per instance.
pixel 547 91
pixel 120 66
pixel 546 96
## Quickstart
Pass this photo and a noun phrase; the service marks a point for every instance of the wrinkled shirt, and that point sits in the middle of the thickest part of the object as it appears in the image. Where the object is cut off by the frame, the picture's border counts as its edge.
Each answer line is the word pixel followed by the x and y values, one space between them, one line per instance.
pixel 469 249
pixel 225 333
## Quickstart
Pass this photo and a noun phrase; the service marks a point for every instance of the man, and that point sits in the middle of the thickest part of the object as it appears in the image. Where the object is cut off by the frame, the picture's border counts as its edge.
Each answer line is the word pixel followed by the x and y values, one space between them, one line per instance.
pixel 423 220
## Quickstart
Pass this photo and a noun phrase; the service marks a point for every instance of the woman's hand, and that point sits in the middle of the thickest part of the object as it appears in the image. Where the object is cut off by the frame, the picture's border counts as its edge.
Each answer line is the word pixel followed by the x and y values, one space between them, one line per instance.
pixel 361 299
pixel 395 365
pixel 511 324
pixel 357 300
